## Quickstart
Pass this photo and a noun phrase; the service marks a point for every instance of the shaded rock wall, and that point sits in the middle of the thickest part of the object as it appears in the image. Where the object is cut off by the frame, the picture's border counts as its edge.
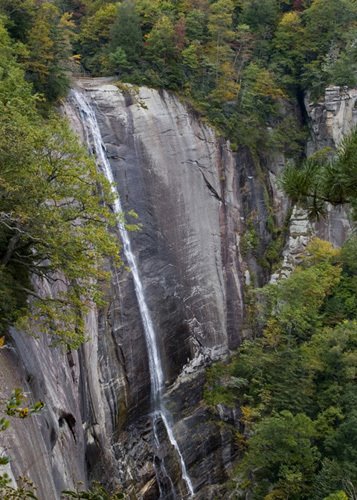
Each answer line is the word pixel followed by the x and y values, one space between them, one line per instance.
pixel 330 120
pixel 180 179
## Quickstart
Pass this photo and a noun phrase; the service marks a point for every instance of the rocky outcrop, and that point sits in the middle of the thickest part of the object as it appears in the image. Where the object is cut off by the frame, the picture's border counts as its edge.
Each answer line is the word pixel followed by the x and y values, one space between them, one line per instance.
pixel 333 118
pixel 330 121
pixel 54 447
pixel 194 199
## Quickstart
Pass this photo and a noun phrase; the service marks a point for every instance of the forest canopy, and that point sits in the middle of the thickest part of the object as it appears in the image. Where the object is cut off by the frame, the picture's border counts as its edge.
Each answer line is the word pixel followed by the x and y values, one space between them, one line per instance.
pixel 234 60
pixel 295 386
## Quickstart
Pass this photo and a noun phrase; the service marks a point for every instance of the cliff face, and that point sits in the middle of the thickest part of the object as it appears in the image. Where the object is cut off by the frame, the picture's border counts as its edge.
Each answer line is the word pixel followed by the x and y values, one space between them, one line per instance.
pixel 192 196
pixel 330 120
pixel 180 179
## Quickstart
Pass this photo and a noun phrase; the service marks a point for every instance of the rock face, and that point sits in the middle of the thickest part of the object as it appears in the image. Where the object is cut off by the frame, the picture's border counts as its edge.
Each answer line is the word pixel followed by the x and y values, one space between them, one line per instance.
pixel 193 197
pixel 180 180
pixel 333 118
pixel 330 121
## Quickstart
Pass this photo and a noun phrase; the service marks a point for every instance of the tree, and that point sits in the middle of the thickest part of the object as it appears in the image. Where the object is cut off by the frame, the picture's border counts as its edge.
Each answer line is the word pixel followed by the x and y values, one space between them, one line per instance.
pixel 326 24
pixel 321 180
pixel 54 216
pixel 19 16
pixel 49 50
pixel 281 458
pixel 258 104
pixel 295 304
pixel 53 223
pixel 261 16
pixel 126 32
pixel 94 38
pixel 161 52
pixel 290 48
pixel 196 25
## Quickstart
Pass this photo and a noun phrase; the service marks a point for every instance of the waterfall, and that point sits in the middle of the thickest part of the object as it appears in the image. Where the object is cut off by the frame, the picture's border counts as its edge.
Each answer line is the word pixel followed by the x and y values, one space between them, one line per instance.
pixel 160 412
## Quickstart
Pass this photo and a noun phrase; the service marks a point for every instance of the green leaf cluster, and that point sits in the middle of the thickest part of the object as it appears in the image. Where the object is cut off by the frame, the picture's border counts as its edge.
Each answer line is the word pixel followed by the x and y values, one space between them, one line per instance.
pixel 322 179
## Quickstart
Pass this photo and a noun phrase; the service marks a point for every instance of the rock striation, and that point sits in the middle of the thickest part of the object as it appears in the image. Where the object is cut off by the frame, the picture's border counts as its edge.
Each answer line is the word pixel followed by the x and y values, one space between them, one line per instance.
pixel 179 178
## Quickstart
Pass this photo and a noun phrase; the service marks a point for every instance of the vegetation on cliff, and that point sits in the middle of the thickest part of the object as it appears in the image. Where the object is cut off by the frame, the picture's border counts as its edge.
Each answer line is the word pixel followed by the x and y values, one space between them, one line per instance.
pixel 295 386
pixel 54 212
pixel 235 60
pixel 322 179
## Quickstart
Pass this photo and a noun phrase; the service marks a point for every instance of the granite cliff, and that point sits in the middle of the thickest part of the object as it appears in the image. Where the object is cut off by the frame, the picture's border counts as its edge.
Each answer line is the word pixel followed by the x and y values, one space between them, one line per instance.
pixel 194 197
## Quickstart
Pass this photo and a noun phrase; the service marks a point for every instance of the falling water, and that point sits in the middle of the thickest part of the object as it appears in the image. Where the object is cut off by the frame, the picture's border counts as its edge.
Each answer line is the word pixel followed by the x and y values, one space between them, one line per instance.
pixel 94 138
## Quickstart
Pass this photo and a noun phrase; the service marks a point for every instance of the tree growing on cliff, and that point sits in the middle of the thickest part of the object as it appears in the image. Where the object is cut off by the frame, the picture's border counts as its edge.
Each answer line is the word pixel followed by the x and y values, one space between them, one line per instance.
pixel 322 180
pixel 54 214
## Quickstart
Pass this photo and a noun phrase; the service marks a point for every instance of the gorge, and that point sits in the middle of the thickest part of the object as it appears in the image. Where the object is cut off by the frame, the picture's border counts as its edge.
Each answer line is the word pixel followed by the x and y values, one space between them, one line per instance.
pixel 127 408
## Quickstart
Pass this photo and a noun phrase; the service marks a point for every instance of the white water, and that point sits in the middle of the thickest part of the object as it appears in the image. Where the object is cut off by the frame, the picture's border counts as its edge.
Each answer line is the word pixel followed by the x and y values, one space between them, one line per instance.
pixel 94 138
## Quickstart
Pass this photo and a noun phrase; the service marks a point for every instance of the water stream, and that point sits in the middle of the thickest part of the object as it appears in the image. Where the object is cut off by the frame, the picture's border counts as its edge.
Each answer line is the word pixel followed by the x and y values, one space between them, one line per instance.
pixel 160 412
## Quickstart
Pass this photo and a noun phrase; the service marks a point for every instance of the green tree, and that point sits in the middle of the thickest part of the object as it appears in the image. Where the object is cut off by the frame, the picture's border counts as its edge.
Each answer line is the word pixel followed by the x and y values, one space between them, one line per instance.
pixel 19 16
pixel 261 16
pixel 320 179
pixel 161 52
pixel 196 25
pixel 295 304
pixel 54 217
pixel 49 51
pixel 326 24
pixel 281 458
pixel 290 48
pixel 126 32
pixel 258 104
pixel 94 38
